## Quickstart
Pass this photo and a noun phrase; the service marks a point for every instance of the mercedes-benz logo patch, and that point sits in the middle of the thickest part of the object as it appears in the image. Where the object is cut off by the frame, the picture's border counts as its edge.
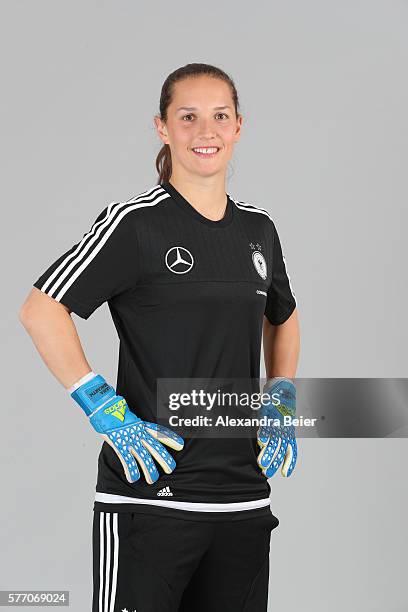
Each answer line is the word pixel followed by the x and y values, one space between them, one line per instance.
pixel 260 264
pixel 179 260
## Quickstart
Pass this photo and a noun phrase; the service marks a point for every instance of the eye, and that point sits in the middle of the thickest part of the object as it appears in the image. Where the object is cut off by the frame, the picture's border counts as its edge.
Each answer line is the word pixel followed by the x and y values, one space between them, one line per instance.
pixel 191 115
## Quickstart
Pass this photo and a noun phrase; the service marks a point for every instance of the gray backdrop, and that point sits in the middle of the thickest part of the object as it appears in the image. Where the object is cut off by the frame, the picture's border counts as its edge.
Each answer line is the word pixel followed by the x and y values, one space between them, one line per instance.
pixel 323 92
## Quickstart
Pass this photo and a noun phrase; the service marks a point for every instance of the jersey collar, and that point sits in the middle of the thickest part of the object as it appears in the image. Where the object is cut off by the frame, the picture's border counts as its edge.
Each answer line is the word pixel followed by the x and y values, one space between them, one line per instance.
pixel 189 208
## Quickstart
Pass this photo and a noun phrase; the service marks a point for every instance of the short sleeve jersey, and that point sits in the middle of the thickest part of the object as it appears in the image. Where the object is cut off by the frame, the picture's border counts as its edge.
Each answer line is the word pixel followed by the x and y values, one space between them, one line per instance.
pixel 187 296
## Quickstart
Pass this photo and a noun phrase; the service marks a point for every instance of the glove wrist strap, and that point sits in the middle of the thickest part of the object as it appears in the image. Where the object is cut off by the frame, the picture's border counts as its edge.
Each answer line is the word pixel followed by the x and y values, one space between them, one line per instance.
pixel 271 381
pixel 93 394
pixel 81 381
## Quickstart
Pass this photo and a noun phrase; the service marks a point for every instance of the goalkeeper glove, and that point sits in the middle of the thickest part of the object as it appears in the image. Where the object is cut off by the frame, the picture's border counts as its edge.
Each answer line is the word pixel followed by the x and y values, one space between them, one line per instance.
pixel 135 442
pixel 277 440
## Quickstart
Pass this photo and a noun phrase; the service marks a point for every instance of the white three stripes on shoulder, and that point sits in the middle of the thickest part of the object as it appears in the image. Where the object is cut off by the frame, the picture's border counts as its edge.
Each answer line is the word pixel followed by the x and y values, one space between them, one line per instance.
pixel 114 214
pixel 251 208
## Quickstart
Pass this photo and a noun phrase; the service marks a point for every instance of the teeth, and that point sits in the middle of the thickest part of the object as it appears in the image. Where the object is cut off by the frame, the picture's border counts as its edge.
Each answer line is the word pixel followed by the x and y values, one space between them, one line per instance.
pixel 209 150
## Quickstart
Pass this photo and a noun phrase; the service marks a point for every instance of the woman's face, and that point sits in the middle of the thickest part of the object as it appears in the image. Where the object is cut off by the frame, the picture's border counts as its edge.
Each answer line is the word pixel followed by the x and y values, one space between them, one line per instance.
pixel 201 114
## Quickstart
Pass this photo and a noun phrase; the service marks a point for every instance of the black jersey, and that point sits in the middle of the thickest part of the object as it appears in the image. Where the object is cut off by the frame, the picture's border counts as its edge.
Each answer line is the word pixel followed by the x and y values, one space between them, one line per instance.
pixel 187 296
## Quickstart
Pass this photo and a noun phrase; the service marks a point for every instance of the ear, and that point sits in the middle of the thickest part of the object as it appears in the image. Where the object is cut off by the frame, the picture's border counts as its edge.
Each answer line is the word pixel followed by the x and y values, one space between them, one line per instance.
pixel 238 128
pixel 161 129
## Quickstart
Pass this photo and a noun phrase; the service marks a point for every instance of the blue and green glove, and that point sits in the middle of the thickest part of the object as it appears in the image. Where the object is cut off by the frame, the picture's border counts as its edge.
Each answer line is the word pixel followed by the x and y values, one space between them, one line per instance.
pixel 278 441
pixel 135 442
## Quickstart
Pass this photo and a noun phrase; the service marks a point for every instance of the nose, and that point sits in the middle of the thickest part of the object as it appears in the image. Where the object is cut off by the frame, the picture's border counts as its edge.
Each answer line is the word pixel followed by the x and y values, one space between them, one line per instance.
pixel 207 128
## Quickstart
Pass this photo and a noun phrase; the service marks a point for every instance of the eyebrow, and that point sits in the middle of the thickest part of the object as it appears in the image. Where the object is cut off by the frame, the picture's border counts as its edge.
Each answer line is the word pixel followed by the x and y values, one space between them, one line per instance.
pixel 192 108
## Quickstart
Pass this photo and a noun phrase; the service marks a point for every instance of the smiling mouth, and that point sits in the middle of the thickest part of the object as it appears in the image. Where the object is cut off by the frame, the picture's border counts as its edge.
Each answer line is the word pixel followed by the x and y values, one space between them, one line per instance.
pixel 205 152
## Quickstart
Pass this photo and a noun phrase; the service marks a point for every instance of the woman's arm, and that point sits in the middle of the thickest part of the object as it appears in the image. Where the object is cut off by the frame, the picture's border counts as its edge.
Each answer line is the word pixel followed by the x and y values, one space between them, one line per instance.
pixel 281 347
pixel 134 441
pixel 54 334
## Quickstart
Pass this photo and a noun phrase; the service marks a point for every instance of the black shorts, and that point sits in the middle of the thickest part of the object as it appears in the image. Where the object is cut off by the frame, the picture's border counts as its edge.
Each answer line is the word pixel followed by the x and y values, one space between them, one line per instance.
pixel 148 563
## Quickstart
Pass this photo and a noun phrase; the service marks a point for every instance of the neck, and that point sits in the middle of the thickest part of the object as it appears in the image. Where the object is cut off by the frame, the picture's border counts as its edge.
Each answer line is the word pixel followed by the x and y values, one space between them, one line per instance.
pixel 208 196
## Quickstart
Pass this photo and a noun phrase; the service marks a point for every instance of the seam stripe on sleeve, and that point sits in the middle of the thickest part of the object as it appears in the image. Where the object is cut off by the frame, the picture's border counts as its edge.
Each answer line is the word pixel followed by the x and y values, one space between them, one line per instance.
pixel 93 241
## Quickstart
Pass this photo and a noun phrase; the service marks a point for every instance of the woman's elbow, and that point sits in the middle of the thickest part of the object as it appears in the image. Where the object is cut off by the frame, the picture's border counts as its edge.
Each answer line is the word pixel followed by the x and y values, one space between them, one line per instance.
pixel 36 305
pixel 26 313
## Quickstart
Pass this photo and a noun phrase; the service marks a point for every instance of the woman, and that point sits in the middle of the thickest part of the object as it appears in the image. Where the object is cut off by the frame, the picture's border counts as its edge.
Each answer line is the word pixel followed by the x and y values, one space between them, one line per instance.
pixel 192 277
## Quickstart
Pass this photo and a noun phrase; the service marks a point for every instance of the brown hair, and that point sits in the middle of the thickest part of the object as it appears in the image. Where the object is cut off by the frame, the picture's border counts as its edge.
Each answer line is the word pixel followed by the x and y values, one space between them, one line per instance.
pixel 163 159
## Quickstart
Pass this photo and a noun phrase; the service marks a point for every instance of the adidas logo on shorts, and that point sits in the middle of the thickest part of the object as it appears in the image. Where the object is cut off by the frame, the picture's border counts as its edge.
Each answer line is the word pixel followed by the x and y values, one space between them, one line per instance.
pixel 165 492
